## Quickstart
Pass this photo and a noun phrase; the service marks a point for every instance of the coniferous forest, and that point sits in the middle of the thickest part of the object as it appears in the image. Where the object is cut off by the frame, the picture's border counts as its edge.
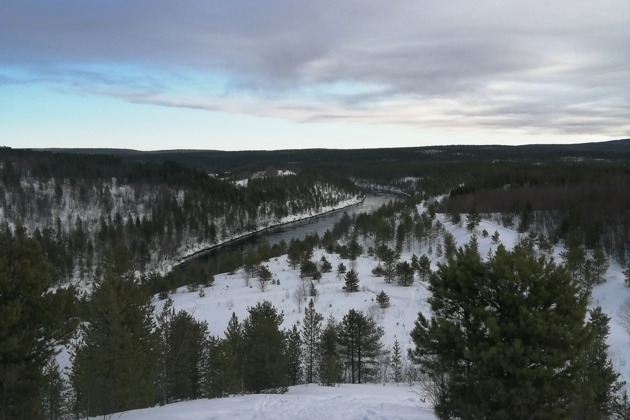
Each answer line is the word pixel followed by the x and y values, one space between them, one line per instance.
pixel 90 244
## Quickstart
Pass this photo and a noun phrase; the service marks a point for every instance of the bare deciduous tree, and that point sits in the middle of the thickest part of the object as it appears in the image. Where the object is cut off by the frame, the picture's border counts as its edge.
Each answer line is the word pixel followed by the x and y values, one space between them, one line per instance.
pixel 300 294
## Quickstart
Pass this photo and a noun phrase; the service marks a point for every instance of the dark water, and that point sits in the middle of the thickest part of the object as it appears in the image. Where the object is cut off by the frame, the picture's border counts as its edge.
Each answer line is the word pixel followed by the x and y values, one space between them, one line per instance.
pixel 300 229
pixel 319 224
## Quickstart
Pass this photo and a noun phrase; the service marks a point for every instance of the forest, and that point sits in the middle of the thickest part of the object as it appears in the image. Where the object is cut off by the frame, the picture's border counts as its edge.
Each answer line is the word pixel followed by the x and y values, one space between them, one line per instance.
pixel 111 219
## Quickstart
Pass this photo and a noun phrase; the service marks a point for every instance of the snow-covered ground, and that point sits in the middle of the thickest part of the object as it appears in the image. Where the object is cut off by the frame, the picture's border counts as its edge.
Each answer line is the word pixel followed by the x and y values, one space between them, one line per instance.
pixel 303 402
pixel 374 401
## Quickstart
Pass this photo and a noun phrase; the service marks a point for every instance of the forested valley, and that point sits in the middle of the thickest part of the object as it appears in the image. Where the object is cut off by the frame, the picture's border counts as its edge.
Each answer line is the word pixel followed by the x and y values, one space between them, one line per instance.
pixel 77 206
pixel 118 223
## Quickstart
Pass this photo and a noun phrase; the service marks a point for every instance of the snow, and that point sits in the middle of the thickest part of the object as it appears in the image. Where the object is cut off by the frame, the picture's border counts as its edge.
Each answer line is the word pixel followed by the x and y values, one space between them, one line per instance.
pixel 367 401
pixel 304 402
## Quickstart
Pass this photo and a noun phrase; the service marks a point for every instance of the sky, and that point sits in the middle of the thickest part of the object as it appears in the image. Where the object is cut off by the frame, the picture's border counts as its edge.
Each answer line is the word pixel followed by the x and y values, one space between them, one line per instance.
pixel 292 74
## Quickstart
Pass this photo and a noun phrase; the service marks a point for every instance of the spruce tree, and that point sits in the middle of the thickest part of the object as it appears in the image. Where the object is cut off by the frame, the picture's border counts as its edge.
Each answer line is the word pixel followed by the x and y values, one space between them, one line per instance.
pixel 505 339
pixel 311 333
pixel 34 321
pixel 396 363
pixel 351 281
pixel 115 363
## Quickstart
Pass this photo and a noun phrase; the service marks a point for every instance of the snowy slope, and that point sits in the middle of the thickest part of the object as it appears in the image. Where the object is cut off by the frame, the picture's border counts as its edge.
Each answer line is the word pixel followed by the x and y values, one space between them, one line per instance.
pixel 312 402
pixel 230 294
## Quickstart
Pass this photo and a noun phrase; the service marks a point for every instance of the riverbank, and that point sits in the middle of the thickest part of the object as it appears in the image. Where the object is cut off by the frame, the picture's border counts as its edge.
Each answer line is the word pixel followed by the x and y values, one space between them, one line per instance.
pixel 204 249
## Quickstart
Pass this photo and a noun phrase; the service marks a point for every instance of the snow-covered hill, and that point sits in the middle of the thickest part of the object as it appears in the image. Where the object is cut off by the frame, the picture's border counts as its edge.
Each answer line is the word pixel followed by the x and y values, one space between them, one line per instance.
pixel 304 402
pixel 230 293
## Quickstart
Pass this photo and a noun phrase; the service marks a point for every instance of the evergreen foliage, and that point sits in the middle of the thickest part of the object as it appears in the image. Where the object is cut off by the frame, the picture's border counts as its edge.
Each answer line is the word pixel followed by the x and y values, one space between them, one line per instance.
pixel 186 357
pixel 600 265
pixel 235 348
pixel 341 269
pixel 424 267
pixel 599 379
pixel 156 210
pixel 264 277
pixel 404 274
pixel 506 337
pixel 311 336
pixel 33 322
pixel 265 354
pixel 56 401
pixel 396 363
pixel 351 281
pixel 382 299
pixel 295 356
pixel 115 363
pixel 360 346
pixel 325 265
pixel 330 368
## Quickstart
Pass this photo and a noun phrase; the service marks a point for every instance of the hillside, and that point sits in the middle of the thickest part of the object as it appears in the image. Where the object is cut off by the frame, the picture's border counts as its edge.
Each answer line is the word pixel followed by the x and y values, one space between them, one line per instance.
pixel 79 205
pixel 231 294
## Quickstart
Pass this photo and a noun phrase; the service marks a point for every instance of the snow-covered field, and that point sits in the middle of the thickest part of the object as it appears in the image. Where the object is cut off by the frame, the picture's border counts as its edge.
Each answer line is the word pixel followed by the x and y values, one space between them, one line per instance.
pixel 374 401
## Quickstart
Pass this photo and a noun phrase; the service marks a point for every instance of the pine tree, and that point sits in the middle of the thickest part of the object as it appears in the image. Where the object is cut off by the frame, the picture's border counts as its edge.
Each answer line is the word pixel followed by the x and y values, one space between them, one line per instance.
pixel 505 339
pixel 325 265
pixel 330 362
pixel 222 378
pixel 341 269
pixel 404 274
pixel 360 342
pixel 396 363
pixel 622 407
pixel 311 333
pixel 599 379
pixel 163 331
pixel 266 362
pixel 234 343
pixel 424 267
pixel 382 299
pixel 33 322
pixel 351 281
pixel 115 363
pixel 185 357
pixel 600 265
pixel 574 258
pixel 294 355
pixel 473 218
pixel 55 402
pixel 264 277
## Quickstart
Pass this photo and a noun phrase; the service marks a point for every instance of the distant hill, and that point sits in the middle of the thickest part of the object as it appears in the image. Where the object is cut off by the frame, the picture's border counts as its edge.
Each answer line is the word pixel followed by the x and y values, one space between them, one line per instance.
pixel 229 161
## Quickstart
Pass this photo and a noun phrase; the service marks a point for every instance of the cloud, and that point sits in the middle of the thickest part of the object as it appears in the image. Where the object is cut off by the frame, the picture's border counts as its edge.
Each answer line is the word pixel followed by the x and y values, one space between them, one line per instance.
pixel 556 66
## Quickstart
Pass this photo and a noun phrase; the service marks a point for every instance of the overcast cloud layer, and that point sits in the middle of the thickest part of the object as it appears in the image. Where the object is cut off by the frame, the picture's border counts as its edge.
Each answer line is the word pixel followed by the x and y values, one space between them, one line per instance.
pixel 533 67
